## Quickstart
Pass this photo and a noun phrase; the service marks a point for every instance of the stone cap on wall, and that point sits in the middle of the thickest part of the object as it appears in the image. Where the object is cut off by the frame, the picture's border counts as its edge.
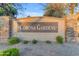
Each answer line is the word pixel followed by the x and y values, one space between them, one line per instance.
pixel 40 19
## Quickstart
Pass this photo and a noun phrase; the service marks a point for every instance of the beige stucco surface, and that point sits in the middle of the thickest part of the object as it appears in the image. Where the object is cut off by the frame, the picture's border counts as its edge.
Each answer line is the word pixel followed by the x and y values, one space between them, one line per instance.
pixel 4 32
pixel 42 36
pixel 33 35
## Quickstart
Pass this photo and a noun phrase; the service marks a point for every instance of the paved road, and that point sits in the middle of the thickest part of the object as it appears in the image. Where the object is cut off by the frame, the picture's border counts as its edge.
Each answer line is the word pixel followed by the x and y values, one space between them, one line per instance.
pixel 43 49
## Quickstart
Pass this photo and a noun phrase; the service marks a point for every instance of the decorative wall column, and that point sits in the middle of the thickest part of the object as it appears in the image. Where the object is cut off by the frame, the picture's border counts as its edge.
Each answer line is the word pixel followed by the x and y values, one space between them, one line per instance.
pixel 4 28
pixel 71 28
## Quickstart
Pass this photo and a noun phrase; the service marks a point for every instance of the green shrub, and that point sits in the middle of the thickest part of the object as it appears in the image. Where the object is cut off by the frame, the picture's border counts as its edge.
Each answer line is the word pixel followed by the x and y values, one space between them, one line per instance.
pixel 13 40
pixel 34 41
pixel 10 52
pixel 1 53
pixel 48 42
pixel 59 39
pixel 25 42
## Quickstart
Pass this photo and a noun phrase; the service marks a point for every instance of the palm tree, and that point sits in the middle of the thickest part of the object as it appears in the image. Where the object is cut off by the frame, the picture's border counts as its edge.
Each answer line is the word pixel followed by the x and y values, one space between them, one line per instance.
pixel 59 9
pixel 72 6
pixel 55 9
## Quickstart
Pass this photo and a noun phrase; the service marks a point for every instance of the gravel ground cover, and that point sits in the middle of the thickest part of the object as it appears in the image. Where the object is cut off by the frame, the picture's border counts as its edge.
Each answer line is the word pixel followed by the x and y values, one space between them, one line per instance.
pixel 44 49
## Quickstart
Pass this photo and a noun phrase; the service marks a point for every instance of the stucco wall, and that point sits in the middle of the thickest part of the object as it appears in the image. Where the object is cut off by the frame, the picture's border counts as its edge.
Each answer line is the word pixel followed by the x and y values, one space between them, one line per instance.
pixel 4 32
pixel 43 35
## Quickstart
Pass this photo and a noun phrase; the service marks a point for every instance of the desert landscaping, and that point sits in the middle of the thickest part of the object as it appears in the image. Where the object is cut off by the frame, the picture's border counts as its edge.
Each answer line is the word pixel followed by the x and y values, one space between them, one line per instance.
pixel 45 49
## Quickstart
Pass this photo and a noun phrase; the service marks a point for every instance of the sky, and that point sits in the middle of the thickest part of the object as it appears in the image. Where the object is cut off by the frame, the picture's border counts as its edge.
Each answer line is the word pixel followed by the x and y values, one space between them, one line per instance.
pixel 34 9
pixel 31 9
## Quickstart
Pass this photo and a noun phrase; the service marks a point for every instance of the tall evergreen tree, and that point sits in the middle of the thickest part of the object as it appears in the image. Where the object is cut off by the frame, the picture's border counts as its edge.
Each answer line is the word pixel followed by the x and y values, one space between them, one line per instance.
pixel 7 9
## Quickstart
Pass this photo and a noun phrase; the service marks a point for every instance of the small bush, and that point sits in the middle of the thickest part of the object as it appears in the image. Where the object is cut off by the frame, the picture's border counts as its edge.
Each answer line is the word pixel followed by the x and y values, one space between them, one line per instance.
pixel 25 42
pixel 59 39
pixel 10 52
pixel 13 40
pixel 34 41
pixel 48 42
